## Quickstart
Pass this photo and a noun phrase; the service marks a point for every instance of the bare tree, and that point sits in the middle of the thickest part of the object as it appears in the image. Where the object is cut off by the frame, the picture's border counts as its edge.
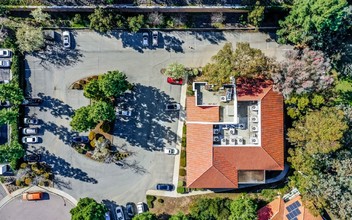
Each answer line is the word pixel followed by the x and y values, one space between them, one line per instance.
pixel 217 17
pixel 179 20
pixel 156 19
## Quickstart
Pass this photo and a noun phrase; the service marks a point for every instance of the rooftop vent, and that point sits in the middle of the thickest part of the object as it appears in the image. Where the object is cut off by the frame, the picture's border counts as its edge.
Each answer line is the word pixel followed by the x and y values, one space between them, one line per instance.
pixel 254 128
pixel 216 131
pixel 242 126
pixel 254 107
pixel 240 141
pixel 216 139
pixel 254 140
pixel 232 131
pixel 223 98
pixel 253 119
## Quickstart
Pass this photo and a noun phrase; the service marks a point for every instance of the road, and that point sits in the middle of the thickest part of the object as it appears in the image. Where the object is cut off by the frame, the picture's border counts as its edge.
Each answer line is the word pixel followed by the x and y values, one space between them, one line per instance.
pixel 50 74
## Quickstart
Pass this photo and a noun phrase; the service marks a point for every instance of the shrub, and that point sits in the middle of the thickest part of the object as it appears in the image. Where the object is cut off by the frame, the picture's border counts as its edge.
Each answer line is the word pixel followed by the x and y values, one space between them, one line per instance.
pixel 2 179
pixel 183 154
pixel 92 143
pixel 27 181
pixel 184 141
pixel 182 172
pixel 181 183
pixel 91 135
pixel 46 175
pixel 183 162
pixel 23 165
pixel 150 200
pixel 181 189
pixel 81 151
pixel 18 182
pixel 160 200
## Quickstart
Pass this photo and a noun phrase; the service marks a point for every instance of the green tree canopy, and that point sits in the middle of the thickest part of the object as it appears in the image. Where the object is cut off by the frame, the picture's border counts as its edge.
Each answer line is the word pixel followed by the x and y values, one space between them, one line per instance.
pixel 102 111
pixel 319 131
pixel 145 216
pixel 211 209
pixel 113 83
pixel 175 71
pixel 100 20
pixel 11 92
pixel 88 209
pixel 243 209
pixel 40 17
pixel 81 120
pixel 319 23
pixel 8 116
pixel 135 23
pixel 180 216
pixel 29 38
pixel 92 90
pixel 11 153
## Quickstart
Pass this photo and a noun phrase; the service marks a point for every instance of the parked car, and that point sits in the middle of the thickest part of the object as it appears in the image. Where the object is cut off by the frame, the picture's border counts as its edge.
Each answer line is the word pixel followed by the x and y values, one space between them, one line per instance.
pixel 173 107
pixel 131 209
pixel 165 187
pixel 5 53
pixel 145 39
pixel 119 213
pixel 32 158
pixel 155 38
pixel 140 208
pixel 66 39
pixel 32 196
pixel 123 113
pixel 5 103
pixel 170 150
pixel 80 139
pixel 175 81
pixel 5 63
pixel 30 131
pixel 30 140
pixel 107 216
pixel 32 101
pixel 30 121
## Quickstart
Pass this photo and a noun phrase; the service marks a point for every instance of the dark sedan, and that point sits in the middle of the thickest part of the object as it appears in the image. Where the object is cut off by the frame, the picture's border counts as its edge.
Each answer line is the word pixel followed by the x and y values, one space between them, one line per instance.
pixel 165 187
pixel 32 158
pixel 32 101
pixel 80 139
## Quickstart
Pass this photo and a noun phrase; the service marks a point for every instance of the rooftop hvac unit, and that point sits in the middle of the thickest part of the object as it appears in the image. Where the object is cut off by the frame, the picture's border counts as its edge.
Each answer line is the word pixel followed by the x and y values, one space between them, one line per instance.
pixel 232 131
pixel 254 119
pixel 254 140
pixel 223 98
pixel 216 131
pixel 254 128
pixel 254 107
pixel 216 139
pixel 240 141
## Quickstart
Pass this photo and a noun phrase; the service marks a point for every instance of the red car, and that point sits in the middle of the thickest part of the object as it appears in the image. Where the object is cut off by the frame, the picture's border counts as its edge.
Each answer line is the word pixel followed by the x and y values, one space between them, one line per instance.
pixel 175 81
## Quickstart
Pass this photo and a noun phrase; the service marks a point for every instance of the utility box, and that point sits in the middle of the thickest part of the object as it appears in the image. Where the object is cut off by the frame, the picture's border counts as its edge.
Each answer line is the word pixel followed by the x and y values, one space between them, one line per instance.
pixel 3 168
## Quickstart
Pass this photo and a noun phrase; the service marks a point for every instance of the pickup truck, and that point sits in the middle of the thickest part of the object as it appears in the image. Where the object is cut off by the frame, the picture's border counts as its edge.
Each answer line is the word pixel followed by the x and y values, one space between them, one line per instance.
pixel 173 107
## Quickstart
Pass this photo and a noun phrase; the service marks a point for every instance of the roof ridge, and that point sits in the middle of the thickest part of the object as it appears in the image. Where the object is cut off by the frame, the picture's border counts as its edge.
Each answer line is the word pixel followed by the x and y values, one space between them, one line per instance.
pixel 271 88
pixel 271 157
pixel 220 170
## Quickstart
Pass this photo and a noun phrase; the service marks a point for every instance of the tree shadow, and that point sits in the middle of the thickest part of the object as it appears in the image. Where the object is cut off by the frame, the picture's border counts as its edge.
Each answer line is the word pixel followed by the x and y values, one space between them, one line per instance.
pixel 132 40
pixel 172 43
pixel 56 107
pixel 214 37
pixel 61 184
pixel 56 54
pixel 146 127
pixel 61 167
pixel 61 132
pixel 134 166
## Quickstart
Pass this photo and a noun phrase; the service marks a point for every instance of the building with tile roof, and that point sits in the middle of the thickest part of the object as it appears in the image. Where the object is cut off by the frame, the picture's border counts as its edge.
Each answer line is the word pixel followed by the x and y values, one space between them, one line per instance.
pixel 234 134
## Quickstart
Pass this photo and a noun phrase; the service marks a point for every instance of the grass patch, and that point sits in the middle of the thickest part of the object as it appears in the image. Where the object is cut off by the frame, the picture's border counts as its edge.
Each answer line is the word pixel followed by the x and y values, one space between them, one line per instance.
pixel 150 201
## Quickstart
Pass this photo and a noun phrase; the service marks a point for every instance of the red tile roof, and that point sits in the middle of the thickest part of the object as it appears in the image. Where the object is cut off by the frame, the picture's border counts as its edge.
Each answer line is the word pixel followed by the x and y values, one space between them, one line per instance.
pixel 217 167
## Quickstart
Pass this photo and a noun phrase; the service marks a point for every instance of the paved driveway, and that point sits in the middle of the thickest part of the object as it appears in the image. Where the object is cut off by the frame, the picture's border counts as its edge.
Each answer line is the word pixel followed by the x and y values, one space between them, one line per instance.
pixel 150 128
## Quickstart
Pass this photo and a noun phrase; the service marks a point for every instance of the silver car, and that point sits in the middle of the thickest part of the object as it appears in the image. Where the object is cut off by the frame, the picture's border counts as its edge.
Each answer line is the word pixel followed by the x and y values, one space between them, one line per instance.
pixel 119 213
pixel 155 38
pixel 145 39
pixel 5 53
pixel 30 140
pixel 170 151
pixel 5 63
pixel 30 131
pixel 66 39
pixel 30 121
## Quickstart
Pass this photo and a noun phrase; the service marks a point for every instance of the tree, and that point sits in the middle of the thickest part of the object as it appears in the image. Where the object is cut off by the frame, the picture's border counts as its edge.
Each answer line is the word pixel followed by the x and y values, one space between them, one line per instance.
pixel 88 209
pixel 319 131
pixel 145 216
pixel 217 19
pixel 180 216
pixel 320 23
pixel 102 111
pixel 303 72
pixel 113 83
pixel 29 38
pixel 12 93
pixel 298 105
pixel 11 153
pixel 175 71
pixel 256 15
pixel 135 23
pixel 92 90
pixel 243 209
pixel 81 120
pixel 156 19
pixel 211 209
pixel 100 20
pixel 8 116
pixel 39 16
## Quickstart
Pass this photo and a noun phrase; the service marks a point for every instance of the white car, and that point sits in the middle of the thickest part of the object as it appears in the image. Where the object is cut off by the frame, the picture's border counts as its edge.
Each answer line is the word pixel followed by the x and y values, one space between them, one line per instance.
pixel 30 131
pixel 145 39
pixel 173 107
pixel 30 140
pixel 155 38
pixel 66 39
pixel 140 208
pixel 123 113
pixel 5 53
pixel 119 213
pixel 170 150
pixel 30 121
pixel 5 63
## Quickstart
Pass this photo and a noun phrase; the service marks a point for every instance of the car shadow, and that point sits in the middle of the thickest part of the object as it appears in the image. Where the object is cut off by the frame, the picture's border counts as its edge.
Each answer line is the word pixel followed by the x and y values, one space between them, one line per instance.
pixel 147 127
pixel 213 37
pixel 61 167
pixel 56 54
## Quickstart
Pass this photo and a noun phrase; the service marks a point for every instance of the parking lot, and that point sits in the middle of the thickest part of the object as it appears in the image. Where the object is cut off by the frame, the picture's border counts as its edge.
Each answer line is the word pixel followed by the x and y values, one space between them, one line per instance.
pixel 149 129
